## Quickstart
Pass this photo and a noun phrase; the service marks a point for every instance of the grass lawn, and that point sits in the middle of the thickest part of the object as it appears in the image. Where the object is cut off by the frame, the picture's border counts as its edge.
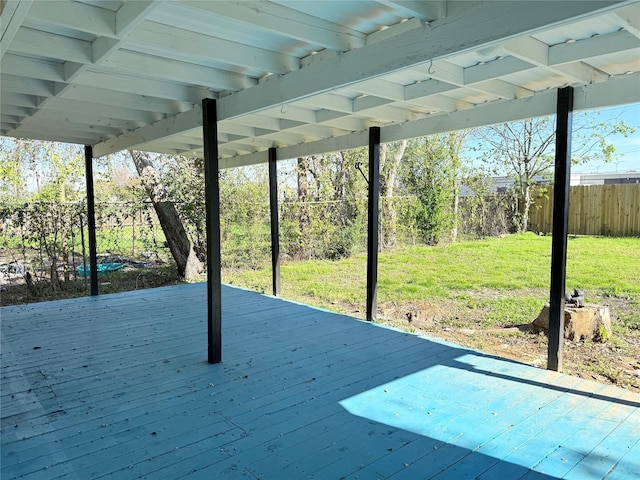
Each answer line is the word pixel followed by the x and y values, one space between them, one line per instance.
pixel 515 268
pixel 462 291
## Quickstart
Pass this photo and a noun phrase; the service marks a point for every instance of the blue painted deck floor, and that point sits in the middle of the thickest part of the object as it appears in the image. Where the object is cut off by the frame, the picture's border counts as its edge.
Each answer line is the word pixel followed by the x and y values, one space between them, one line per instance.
pixel 118 386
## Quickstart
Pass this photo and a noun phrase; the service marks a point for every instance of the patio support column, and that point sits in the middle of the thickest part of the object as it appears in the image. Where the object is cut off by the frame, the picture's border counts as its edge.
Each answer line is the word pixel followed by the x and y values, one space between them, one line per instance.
pixel 91 220
pixel 212 207
pixel 372 225
pixel 560 227
pixel 275 227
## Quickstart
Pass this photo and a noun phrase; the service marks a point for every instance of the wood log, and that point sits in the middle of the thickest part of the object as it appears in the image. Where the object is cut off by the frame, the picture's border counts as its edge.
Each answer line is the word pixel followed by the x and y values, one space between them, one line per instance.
pixel 591 322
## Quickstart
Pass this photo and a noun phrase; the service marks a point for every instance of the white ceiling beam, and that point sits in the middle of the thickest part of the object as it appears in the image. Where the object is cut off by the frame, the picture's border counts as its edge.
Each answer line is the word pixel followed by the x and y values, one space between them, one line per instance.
pixel 397 93
pixel 73 107
pixel 19 100
pixel 6 128
pixel 181 142
pixel 75 16
pixel 484 26
pixel 440 103
pixel 167 41
pixel 350 123
pixel 369 102
pixel 630 18
pixel 173 125
pixel 236 129
pixel 277 19
pixel 54 136
pixel 393 30
pixel 91 131
pixel 528 49
pixel 537 53
pixel 581 73
pixel 261 121
pixel 249 144
pixel 127 18
pixel 154 67
pixel 427 88
pixel 104 78
pixel 328 101
pixel 88 131
pixel 593 47
pixel 147 103
pixel 27 86
pixel 80 54
pixel 130 14
pixel 7 119
pixel 313 132
pixel 592 96
pixel 382 88
pixel 29 41
pixel 425 10
pixel 276 138
pixel 390 113
pixel 502 89
pixel 17 110
pixel 87 118
pixel 621 91
pixel 480 78
pixel 495 69
pixel 296 113
pixel 33 68
pixel 12 14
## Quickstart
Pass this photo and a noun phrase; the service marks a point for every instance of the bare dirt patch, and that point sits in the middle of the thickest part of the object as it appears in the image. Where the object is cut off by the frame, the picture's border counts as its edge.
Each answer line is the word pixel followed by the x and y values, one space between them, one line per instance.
pixel 616 361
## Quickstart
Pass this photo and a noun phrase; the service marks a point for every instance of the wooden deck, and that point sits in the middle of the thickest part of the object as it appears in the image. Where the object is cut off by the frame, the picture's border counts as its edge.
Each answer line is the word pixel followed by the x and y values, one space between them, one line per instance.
pixel 118 386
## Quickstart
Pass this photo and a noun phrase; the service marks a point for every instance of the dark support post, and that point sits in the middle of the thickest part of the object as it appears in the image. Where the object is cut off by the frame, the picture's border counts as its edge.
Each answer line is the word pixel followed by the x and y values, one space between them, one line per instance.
pixel 372 227
pixel 275 227
pixel 91 220
pixel 212 207
pixel 560 227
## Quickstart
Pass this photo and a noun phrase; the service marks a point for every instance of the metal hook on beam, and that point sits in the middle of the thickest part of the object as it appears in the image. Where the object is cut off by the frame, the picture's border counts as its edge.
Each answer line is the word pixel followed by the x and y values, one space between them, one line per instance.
pixel 359 167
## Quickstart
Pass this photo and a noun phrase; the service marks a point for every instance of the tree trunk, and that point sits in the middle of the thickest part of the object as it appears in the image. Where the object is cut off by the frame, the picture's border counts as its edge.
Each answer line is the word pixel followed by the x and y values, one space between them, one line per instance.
pixel 188 264
pixel 526 194
pixel 456 209
pixel 389 172
pixel 304 219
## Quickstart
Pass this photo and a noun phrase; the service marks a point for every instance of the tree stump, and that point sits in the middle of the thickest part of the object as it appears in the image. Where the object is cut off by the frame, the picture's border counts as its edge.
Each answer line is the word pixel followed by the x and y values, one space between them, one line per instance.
pixel 591 322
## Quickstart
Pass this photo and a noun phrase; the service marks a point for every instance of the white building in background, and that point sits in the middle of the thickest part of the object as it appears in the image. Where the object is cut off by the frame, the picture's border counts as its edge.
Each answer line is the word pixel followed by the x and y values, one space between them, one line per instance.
pixel 630 176
pixel 503 184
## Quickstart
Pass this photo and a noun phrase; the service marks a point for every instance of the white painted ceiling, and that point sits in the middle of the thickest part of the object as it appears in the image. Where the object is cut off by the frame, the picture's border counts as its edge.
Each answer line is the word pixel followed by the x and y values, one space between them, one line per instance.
pixel 303 76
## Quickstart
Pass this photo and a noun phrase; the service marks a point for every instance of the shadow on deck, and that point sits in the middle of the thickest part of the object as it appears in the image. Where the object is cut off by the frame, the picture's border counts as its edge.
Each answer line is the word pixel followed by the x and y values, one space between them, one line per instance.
pixel 118 386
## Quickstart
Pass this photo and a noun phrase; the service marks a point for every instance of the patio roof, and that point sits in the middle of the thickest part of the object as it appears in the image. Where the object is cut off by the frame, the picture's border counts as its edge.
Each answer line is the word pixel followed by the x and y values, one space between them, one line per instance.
pixel 302 76
pixel 115 386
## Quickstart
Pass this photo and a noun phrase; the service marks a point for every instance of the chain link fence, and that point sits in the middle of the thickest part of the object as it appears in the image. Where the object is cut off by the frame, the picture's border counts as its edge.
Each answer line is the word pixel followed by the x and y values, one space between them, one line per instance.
pixel 49 241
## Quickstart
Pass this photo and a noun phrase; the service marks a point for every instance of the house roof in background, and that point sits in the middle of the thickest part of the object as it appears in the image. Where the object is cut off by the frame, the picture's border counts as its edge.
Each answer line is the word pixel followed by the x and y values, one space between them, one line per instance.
pixel 303 76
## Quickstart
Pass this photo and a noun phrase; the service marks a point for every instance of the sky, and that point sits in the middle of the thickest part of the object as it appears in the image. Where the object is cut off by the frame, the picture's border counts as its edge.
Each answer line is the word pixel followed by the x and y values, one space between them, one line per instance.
pixel 627 156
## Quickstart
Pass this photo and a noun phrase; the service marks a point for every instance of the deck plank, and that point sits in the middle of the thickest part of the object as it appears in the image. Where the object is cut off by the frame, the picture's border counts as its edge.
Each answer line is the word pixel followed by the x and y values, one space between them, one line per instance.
pixel 118 387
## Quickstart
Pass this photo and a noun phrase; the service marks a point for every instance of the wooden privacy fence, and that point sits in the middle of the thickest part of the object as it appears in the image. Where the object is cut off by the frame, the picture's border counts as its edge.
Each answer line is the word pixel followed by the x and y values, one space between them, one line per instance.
pixel 612 210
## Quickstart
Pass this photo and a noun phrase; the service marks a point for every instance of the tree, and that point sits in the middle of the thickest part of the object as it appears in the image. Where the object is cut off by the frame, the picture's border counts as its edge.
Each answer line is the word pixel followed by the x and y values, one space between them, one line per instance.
pixel 431 173
pixel 177 239
pixel 391 155
pixel 304 219
pixel 525 150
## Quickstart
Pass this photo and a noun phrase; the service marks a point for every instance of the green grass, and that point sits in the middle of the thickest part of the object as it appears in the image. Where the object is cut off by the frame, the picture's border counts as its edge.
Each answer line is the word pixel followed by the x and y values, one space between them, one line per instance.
pixel 505 281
